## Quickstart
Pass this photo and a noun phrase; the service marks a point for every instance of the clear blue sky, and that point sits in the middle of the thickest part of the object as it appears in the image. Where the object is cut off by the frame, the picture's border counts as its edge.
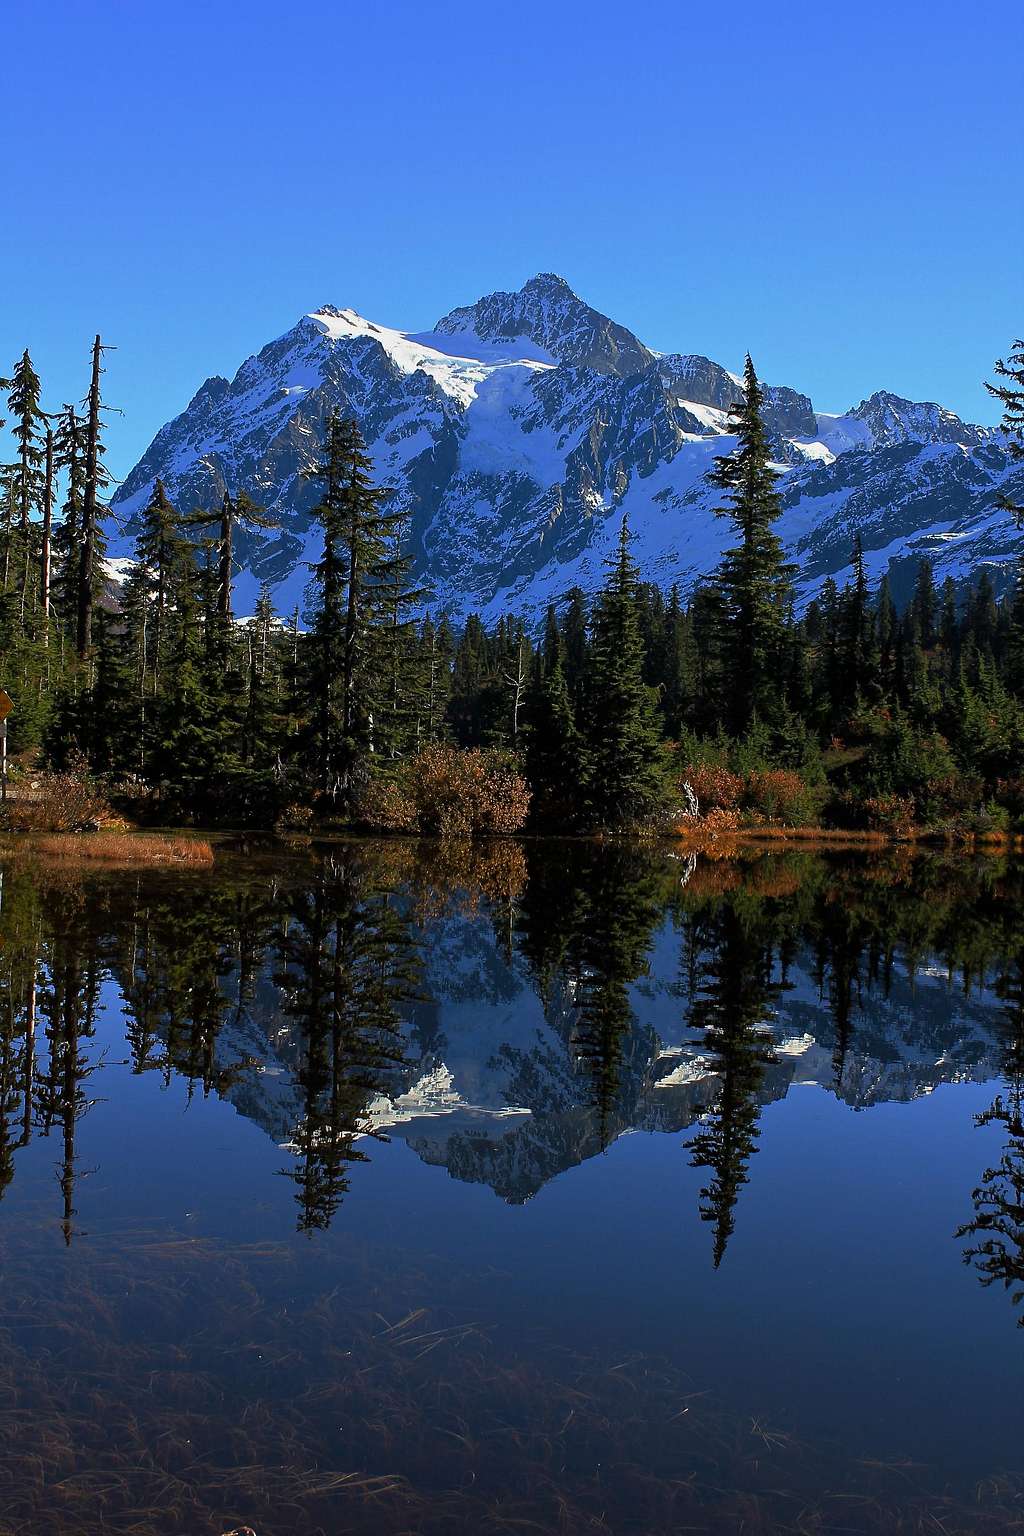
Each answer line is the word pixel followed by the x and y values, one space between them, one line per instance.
pixel 837 188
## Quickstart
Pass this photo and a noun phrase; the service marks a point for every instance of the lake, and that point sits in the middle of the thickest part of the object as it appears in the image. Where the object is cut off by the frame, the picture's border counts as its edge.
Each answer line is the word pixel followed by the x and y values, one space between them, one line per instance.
pixel 562 1187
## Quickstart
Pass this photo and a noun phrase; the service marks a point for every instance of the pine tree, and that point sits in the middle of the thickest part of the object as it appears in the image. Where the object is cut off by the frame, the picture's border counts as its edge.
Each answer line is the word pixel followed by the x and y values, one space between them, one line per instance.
pixel 624 779
pixel 754 580
pixel 923 605
pixel 401 670
pixel 341 681
pixel 575 644
pixel 436 649
pixel 94 478
pixel 158 558
pixel 555 764
pixel 859 661
pixel 23 403
pixel 234 511
pixel 69 460
pixel 1011 396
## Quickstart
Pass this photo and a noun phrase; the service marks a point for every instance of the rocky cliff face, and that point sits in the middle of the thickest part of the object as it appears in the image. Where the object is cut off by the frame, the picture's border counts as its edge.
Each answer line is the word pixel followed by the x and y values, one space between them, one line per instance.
pixel 518 431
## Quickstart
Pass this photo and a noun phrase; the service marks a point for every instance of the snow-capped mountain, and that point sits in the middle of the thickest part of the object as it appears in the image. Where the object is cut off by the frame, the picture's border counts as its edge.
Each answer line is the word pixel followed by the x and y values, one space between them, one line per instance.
pixel 519 429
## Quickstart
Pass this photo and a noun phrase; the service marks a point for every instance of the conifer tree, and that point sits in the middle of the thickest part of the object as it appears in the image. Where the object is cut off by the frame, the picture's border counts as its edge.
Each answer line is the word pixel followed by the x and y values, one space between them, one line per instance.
pixel 158 558
pixel 94 478
pixel 923 605
pixel 69 460
pixel 28 427
pixel 233 511
pixel 575 644
pixel 401 670
pixel 555 760
pixel 1011 395
pixel 754 580
pixel 341 681
pixel 624 779
pixel 436 648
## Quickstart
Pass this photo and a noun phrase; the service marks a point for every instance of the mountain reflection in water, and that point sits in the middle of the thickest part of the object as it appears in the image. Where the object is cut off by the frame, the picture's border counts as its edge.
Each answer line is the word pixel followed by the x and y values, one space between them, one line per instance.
pixel 508 1012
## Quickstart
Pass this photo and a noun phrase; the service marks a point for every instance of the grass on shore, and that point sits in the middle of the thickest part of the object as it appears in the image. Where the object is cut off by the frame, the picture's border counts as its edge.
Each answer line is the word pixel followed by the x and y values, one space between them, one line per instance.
pixel 120 847
pixel 698 835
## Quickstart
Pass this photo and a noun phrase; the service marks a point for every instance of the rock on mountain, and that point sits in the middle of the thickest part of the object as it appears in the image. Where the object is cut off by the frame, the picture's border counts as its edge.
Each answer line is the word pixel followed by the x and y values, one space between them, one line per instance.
pixel 517 432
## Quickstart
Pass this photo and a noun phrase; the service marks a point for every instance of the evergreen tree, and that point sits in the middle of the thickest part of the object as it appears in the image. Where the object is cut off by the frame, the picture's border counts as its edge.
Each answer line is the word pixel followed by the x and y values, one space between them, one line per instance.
pixel 923 606
pixel 624 779
pixel 859 662
pixel 91 545
pixel 1011 396
pixel 69 460
pixel 341 680
pixel 555 761
pixel 28 426
pixel 754 580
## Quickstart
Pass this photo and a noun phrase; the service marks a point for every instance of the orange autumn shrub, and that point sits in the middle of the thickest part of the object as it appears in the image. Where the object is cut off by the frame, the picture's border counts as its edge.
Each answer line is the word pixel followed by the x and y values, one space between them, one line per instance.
pixel 892 814
pixel 780 794
pixel 716 787
pixel 450 792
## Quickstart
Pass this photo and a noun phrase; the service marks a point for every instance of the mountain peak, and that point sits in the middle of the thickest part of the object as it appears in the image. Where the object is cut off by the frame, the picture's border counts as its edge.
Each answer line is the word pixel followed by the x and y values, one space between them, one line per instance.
pixel 548 282
pixel 547 311
pixel 892 419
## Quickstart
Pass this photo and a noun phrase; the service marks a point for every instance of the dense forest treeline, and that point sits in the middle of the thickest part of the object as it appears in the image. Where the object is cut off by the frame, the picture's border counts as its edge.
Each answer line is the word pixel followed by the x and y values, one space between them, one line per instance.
pixel 628 709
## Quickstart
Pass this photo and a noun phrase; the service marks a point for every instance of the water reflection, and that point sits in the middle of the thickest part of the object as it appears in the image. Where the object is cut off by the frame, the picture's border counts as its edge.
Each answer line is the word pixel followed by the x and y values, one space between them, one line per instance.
pixel 344 965
pixel 996 1235
pixel 733 1003
pixel 510 1013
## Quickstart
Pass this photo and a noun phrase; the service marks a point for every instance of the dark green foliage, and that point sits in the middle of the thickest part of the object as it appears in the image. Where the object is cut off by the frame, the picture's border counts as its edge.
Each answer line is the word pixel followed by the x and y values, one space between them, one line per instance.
pixel 732 1005
pixel 354 680
pixel 754 581
pixel 624 770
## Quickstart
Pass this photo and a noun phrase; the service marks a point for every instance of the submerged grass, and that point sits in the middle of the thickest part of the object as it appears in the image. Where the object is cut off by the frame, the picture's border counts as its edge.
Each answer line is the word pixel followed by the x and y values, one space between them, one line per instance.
pixel 153 1384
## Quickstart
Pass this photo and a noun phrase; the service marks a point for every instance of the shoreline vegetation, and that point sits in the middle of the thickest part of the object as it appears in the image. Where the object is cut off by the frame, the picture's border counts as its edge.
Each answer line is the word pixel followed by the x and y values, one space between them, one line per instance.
pixel 192 850
pixel 726 715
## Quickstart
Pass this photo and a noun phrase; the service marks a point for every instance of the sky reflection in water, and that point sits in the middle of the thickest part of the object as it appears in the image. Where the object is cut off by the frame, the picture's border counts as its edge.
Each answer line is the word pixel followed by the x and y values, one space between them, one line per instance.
pixel 730 1129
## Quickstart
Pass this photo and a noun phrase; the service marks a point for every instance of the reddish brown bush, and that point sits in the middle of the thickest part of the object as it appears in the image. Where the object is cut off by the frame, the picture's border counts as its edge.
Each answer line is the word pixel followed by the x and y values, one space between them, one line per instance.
pixel 716 788
pixel 389 806
pixel 451 792
pixel 892 814
pixel 780 794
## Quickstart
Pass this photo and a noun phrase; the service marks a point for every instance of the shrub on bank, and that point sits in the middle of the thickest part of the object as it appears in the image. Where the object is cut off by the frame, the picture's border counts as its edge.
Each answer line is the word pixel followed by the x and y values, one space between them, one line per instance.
pixel 56 802
pixel 781 795
pixel 776 795
pixel 450 792
pixel 894 815
pixel 717 788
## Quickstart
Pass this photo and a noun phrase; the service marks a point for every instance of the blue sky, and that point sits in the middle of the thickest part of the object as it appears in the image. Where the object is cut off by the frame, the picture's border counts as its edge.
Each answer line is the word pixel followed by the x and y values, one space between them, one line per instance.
pixel 836 188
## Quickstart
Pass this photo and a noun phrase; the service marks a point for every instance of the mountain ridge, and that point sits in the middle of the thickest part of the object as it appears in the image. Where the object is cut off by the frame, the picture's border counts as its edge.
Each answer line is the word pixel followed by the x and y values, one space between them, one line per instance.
pixel 517 432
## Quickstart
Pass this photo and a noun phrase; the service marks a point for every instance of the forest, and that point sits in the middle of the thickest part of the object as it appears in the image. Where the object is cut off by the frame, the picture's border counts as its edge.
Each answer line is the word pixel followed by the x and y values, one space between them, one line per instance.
pixel 631 710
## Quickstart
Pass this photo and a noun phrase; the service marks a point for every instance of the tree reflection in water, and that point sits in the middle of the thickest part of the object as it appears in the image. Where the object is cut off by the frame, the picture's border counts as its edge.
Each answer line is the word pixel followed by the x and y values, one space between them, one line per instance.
pixel 996 1246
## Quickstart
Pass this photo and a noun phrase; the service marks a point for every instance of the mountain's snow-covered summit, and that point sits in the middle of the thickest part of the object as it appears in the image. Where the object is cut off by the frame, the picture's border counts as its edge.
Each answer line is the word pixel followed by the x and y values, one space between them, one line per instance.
pixel 519 429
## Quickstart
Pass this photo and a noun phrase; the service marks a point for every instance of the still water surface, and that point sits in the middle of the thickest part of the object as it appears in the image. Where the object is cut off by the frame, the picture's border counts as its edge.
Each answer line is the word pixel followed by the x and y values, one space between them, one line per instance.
pixel 372 1187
